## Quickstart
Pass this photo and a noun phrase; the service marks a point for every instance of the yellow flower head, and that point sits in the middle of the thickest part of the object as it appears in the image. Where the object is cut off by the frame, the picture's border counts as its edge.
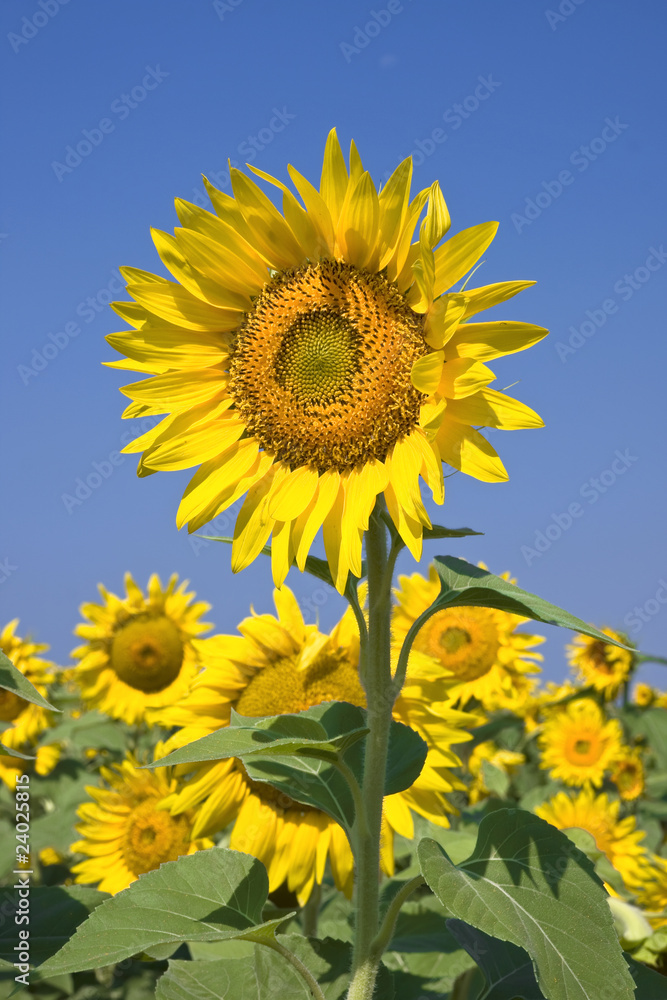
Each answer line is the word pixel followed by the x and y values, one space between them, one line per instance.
pixel 644 695
pixel 21 722
pixel 139 652
pixel 505 760
pixel 278 666
pixel 578 745
pixel 619 840
pixel 600 664
pixel 317 358
pixel 125 832
pixel 652 893
pixel 627 774
pixel 475 652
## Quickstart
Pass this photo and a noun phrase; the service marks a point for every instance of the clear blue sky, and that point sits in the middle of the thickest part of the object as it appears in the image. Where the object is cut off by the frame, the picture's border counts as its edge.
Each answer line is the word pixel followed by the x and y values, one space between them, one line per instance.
pixel 549 119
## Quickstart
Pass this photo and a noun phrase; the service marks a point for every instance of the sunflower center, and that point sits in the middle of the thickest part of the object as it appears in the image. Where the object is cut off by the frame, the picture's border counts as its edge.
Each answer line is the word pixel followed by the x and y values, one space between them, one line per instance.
pixel 320 369
pixel 600 657
pixel 464 640
pixel 582 746
pixel 282 688
pixel 153 837
pixel 147 653
pixel 584 749
pixel 11 705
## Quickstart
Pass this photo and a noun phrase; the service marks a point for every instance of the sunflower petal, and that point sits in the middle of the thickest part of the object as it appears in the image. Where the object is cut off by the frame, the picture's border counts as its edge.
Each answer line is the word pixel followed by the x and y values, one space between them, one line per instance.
pixel 489 408
pixel 455 257
pixel 465 449
pixel 492 295
pixel 427 371
pixel 485 341
pixel 463 376
pixel 334 180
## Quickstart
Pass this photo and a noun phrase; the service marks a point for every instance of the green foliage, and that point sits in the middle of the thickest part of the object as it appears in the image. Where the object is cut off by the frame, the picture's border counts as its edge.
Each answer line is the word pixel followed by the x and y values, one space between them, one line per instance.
pixel 527 884
pixel 12 679
pixel 208 896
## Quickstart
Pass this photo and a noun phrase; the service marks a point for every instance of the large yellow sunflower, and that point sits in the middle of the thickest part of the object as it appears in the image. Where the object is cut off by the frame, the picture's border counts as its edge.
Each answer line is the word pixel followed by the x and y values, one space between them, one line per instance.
pixel 139 652
pixel 619 840
pixel 124 832
pixel 21 722
pixel 317 358
pixel 599 664
pixel 578 744
pixel 277 666
pixel 477 652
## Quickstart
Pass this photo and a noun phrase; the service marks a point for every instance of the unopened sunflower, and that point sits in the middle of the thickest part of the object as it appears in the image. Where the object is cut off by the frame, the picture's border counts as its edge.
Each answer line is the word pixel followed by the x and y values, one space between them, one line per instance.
pixel 475 652
pixel 277 666
pixel 579 744
pixel 600 664
pixel 618 839
pixel 317 358
pixel 139 651
pixel 22 722
pixel 125 832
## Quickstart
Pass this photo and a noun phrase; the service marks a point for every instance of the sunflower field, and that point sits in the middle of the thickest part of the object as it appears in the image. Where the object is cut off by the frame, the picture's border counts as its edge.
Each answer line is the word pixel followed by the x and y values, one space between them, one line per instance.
pixel 399 807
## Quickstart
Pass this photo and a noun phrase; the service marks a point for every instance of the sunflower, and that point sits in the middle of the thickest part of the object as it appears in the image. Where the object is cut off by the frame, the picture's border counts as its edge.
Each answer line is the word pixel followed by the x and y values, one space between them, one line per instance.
pixel 627 773
pixel 599 664
pixel 316 359
pixel 125 832
pixel 277 666
pixel 619 840
pixel 139 652
pixel 505 760
pixel 652 894
pixel 643 695
pixel 578 744
pixel 477 652
pixel 21 722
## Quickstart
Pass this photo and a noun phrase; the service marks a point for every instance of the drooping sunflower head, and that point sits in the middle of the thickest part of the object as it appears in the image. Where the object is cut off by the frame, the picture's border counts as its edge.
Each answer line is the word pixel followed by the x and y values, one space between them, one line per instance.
pixel 280 665
pixel 628 775
pixel 21 722
pixel 579 744
pixel 600 664
pixel 476 652
pixel 125 832
pixel 316 358
pixel 618 839
pixel 139 652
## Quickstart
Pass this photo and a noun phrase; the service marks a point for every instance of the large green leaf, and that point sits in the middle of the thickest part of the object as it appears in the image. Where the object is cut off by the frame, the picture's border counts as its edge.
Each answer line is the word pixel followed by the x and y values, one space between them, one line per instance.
pixel 526 883
pixel 649 724
pixel 12 679
pixel 91 730
pixel 54 914
pixel 267 975
pixel 300 755
pixel 209 896
pixel 6 752
pixel 508 970
pixel 465 585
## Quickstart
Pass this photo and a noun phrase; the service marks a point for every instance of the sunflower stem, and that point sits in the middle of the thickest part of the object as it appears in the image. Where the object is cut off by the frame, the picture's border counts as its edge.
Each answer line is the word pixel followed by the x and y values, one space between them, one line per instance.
pixel 295 962
pixel 311 911
pixel 379 700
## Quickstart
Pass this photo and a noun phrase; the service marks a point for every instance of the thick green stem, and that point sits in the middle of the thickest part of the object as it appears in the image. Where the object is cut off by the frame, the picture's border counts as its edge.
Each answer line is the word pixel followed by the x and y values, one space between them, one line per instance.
pixel 380 700
pixel 391 916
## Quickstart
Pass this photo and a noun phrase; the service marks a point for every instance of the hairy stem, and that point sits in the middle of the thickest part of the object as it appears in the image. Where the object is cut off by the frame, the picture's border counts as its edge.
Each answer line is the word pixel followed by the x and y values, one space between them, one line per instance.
pixel 384 937
pixel 296 963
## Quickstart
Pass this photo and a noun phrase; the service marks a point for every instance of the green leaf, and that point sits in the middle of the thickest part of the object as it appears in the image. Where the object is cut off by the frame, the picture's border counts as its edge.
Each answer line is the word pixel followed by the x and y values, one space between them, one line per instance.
pixel 5 752
pixel 208 896
pixel 508 970
pixel 54 914
pixel 298 754
pixel 437 531
pixel 495 780
pixel 465 585
pixel 92 730
pixel 12 679
pixel 649 724
pixel 266 975
pixel 526 883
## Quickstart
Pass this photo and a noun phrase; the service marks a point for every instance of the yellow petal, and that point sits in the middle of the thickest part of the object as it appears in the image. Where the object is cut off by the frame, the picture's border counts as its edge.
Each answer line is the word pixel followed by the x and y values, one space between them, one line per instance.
pixel 357 231
pixel 221 264
pixel 442 318
pixel 282 552
pixel 493 409
pixel 214 478
pixel 437 220
pixel 196 446
pixel 455 257
pixel 254 524
pixel 485 341
pixel 132 313
pixel 305 231
pixel 465 449
pixel 312 518
pixel 175 304
pixel 222 234
pixel 332 533
pixel 427 371
pixel 410 529
pixel 463 376
pixel 178 391
pixel 271 234
pixel 197 283
pixel 492 295
pixel 315 206
pixel 289 613
pixel 334 180
pixel 393 200
pixel 170 347
pixel 294 494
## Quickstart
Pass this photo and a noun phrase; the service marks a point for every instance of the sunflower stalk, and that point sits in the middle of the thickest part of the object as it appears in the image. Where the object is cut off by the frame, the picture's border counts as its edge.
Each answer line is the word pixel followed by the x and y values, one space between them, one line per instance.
pixel 380 700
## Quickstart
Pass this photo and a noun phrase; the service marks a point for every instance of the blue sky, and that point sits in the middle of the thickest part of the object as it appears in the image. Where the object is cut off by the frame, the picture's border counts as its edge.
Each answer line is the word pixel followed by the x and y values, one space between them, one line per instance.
pixel 544 117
